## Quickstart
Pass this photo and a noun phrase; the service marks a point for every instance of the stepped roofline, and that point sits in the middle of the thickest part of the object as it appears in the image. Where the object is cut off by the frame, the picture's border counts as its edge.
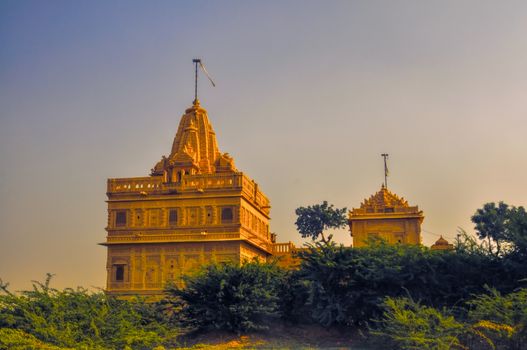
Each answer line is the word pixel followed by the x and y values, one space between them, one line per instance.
pixel 385 203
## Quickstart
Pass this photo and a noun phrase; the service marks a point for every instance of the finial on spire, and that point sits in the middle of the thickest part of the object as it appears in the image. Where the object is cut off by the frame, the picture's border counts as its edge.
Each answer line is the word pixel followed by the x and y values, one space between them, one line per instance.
pixel 385 156
pixel 197 62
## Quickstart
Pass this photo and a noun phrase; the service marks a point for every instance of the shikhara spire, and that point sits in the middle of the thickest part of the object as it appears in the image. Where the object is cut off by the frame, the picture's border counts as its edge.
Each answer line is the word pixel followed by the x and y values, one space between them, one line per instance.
pixel 194 149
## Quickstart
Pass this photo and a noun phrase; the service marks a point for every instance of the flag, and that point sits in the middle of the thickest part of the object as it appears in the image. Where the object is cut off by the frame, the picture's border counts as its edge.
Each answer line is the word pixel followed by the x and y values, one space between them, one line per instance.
pixel 206 73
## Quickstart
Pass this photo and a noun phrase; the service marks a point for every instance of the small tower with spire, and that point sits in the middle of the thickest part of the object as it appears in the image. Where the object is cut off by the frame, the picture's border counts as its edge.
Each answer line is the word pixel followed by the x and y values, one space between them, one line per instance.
pixel 388 216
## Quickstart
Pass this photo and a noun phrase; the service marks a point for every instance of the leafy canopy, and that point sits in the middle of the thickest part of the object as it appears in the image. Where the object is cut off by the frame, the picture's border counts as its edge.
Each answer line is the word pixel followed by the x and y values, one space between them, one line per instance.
pixel 313 220
pixel 503 227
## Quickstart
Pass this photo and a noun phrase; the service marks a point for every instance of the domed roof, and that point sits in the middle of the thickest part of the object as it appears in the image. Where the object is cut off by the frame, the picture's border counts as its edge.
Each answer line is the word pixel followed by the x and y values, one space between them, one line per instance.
pixel 442 244
pixel 441 241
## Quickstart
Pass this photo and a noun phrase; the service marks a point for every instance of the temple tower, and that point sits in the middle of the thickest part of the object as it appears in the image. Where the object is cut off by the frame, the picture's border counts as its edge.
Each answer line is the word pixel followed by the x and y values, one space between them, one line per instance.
pixel 387 216
pixel 193 209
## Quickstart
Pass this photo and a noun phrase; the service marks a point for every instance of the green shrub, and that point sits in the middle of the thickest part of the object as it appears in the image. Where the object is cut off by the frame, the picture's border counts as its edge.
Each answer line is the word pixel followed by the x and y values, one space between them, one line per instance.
pixel 493 321
pixel 347 286
pixel 406 324
pixel 230 297
pixel 76 318
pixel 16 339
pixel 499 319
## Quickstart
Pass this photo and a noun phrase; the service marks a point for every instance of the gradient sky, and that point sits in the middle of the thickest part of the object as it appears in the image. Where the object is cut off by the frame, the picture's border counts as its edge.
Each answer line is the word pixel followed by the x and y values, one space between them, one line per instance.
pixel 309 94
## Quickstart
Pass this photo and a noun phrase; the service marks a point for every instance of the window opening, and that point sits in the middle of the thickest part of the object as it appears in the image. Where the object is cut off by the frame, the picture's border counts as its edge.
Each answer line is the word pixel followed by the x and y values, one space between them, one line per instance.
pixel 120 218
pixel 119 273
pixel 172 217
pixel 226 215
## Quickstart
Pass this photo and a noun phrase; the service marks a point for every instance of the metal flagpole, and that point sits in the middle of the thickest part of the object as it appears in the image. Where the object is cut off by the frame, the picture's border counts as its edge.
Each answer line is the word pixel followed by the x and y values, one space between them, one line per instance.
pixel 385 156
pixel 196 61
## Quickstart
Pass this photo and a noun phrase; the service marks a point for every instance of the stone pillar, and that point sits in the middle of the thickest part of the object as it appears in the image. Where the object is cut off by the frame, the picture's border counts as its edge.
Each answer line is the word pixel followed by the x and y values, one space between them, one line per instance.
pixel 143 267
pixel 202 216
pixel 131 269
pixel 162 268
pixel 108 278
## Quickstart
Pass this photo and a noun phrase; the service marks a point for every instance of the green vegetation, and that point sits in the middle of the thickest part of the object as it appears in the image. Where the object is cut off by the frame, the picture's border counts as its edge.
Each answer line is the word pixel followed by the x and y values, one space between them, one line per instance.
pixel 493 321
pixel 230 297
pixel 400 297
pixel 47 318
pixel 409 325
pixel 313 220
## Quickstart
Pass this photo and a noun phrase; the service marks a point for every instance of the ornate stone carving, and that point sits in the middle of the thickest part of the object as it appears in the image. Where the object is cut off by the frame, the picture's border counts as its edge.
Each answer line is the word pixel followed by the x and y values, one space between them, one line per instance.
pixel 199 181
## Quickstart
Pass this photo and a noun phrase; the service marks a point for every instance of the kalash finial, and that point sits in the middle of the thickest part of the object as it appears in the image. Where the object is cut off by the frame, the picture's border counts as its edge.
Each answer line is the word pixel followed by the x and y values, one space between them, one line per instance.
pixel 197 62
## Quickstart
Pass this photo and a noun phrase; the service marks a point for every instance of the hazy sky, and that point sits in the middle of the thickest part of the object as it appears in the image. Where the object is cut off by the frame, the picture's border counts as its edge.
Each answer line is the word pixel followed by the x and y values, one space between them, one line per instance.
pixel 309 94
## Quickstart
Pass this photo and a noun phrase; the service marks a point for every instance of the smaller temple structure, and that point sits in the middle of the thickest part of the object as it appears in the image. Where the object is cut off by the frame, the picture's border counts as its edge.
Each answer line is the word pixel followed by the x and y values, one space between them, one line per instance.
pixel 387 216
pixel 442 244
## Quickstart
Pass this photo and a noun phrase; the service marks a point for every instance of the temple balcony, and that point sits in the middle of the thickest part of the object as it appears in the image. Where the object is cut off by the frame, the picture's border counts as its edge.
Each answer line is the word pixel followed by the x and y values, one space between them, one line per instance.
pixel 154 185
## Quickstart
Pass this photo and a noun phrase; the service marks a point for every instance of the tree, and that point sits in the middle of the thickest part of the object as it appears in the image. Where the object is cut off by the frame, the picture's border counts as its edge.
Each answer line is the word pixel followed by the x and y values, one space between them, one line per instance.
pixel 313 220
pixel 503 226
pixel 491 224
pixel 517 231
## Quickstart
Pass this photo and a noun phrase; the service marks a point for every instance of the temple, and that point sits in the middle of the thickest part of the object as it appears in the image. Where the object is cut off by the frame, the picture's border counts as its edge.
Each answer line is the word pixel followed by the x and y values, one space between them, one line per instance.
pixel 442 244
pixel 193 209
pixel 387 216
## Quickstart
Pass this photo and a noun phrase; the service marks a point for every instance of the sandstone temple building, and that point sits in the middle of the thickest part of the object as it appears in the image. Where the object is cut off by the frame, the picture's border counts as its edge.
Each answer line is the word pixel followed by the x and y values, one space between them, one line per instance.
pixel 194 208
pixel 387 216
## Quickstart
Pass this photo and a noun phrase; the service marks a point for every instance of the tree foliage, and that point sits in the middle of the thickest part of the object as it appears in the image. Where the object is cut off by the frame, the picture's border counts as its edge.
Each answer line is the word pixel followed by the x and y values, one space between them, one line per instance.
pixel 491 224
pixel 503 227
pixel 313 220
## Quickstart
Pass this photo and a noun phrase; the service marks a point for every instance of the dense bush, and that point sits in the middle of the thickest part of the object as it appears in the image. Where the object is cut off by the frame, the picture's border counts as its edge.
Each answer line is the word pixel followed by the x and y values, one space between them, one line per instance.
pixel 348 285
pixel 406 324
pixel 493 322
pixel 16 339
pixel 76 318
pixel 500 319
pixel 230 297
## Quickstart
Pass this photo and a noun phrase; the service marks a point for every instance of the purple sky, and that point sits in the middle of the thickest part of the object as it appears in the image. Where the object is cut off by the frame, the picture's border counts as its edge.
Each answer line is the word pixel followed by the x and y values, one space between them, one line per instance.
pixel 309 94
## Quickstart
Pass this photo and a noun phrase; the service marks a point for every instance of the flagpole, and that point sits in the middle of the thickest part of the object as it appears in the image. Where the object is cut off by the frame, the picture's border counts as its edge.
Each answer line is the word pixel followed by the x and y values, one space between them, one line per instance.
pixel 385 156
pixel 196 61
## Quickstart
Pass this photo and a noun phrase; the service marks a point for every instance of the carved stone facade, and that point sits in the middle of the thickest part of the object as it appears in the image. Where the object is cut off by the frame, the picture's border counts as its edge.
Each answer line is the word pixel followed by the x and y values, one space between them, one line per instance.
pixel 194 208
pixel 386 216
